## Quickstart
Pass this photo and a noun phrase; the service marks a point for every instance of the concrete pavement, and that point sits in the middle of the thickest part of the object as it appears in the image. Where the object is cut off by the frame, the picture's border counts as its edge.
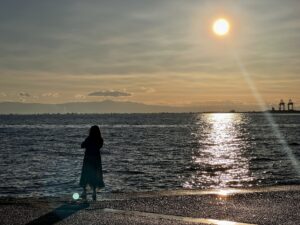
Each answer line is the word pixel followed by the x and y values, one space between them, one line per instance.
pixel 274 205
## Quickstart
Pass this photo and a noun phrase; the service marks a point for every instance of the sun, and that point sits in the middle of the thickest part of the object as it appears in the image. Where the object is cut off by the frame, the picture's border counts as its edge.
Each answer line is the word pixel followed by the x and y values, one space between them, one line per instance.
pixel 221 27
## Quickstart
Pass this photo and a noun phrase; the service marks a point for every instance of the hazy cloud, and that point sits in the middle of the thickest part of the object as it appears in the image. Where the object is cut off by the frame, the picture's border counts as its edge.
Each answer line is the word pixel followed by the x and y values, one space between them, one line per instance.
pixel 134 36
pixel 50 94
pixel 80 96
pixel 147 90
pixel 24 94
pixel 149 41
pixel 110 94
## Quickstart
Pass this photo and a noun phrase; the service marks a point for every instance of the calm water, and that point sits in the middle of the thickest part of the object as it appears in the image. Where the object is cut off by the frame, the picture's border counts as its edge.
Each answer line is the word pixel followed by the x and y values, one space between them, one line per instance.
pixel 41 155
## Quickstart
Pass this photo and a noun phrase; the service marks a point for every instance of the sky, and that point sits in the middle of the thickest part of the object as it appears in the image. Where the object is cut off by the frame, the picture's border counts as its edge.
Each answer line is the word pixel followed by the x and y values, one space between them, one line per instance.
pixel 160 52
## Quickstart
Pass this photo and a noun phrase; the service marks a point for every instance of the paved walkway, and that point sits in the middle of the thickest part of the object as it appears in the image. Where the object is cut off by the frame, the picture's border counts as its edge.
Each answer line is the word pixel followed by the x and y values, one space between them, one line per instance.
pixel 275 205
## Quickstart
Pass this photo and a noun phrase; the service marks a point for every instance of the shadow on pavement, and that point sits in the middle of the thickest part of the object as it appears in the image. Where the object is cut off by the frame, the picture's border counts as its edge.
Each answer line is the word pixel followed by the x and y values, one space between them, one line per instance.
pixel 59 214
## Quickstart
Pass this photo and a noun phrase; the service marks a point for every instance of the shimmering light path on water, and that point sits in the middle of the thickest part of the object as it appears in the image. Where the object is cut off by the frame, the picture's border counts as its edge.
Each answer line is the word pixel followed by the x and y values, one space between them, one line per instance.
pixel 221 151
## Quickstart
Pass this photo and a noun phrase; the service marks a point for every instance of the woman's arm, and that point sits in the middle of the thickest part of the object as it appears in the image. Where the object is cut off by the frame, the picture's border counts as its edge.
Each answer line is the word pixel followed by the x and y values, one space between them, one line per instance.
pixel 83 144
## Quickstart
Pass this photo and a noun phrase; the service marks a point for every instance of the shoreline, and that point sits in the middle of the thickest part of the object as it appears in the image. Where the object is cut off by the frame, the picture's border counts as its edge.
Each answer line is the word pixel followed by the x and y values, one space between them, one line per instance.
pixel 106 196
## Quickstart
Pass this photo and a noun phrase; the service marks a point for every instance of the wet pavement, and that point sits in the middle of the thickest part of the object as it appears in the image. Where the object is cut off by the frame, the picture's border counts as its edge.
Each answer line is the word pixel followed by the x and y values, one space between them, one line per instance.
pixel 275 205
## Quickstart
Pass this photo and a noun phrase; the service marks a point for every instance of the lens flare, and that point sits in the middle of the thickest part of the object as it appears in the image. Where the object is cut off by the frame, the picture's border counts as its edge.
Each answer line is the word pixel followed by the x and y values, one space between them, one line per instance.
pixel 285 148
pixel 75 196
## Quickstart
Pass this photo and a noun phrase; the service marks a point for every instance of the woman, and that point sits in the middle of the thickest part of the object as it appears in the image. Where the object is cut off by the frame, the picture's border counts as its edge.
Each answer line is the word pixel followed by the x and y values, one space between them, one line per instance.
pixel 92 168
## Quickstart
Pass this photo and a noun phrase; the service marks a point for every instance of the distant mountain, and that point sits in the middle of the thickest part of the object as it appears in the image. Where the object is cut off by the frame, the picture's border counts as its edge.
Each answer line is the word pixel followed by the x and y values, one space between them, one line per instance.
pixel 86 107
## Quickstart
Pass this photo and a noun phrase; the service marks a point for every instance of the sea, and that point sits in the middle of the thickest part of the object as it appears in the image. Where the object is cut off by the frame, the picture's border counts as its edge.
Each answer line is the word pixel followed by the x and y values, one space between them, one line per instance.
pixel 40 155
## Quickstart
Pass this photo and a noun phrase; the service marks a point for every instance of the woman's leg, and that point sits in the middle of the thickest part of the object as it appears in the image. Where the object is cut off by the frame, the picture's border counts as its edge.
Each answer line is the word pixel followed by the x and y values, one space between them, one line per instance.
pixel 94 193
pixel 83 195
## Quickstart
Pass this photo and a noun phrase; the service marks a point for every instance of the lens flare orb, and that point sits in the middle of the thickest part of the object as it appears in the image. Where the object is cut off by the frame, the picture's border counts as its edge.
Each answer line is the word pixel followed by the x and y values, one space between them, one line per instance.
pixel 75 196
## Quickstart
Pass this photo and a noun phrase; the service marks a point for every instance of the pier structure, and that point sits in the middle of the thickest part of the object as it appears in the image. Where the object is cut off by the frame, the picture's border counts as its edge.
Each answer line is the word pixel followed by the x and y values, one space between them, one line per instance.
pixel 281 106
pixel 290 105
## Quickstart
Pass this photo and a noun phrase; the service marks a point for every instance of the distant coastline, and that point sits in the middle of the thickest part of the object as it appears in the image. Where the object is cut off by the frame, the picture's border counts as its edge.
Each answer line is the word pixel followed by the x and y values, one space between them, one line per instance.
pixel 283 112
pixel 112 107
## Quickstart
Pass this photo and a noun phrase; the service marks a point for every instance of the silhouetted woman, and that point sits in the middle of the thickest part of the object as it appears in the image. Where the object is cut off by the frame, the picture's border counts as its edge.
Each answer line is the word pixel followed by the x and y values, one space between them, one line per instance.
pixel 91 173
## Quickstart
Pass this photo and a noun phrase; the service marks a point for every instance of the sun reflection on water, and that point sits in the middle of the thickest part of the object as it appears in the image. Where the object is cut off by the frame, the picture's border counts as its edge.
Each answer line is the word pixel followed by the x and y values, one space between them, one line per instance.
pixel 219 160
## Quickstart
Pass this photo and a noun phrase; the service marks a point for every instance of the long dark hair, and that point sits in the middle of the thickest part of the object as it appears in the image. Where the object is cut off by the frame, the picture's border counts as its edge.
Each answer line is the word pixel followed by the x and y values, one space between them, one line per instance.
pixel 95 134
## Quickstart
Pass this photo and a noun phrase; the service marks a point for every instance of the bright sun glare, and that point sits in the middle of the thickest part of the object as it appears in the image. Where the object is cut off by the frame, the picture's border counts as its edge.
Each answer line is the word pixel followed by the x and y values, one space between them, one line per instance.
pixel 221 27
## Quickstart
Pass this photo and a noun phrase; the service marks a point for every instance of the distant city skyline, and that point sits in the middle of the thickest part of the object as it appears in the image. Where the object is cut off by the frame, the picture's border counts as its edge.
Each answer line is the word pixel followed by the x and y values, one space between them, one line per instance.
pixel 151 52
